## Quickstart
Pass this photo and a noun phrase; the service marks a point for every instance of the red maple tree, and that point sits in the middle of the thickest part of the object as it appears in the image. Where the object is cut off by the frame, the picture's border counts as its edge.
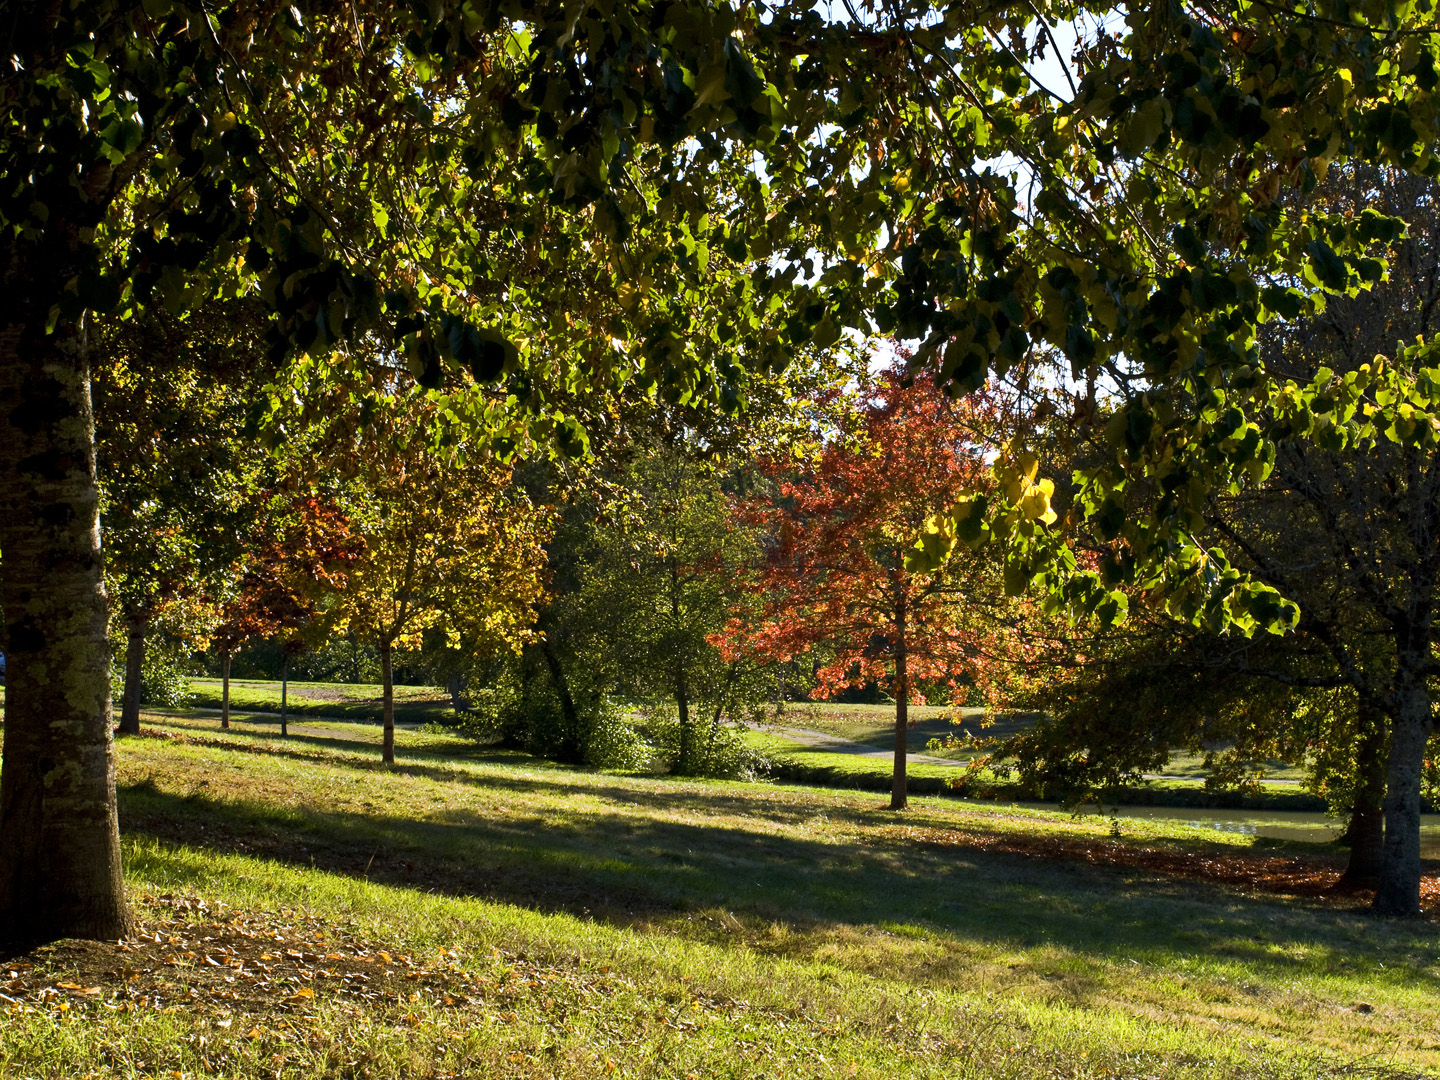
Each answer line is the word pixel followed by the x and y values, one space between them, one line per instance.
pixel 833 575
pixel 300 548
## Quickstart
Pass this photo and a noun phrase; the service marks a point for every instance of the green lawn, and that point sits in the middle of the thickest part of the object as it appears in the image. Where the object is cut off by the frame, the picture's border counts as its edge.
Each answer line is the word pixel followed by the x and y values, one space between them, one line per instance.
pixel 307 912
pixel 793 761
pixel 357 701
pixel 874 725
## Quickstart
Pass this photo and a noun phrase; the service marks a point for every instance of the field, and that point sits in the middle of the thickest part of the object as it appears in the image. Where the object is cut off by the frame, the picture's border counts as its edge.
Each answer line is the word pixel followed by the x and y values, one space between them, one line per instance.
pixel 872 726
pixel 305 911
pixel 358 701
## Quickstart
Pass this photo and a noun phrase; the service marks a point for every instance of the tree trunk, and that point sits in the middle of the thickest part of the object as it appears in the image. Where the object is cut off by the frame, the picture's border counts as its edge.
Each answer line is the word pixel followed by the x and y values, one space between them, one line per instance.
pixel 1399 889
pixel 60 873
pixel 573 749
pixel 686 763
pixel 387 706
pixel 724 699
pixel 899 797
pixel 458 701
pixel 284 691
pixel 225 687
pixel 1366 831
pixel 134 672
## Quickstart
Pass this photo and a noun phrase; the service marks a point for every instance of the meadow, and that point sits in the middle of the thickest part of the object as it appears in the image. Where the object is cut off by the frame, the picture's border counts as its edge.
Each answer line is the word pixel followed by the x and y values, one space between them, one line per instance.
pixel 304 911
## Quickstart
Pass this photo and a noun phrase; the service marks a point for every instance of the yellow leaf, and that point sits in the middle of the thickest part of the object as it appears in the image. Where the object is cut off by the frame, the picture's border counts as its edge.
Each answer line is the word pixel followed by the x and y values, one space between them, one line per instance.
pixel 1029 463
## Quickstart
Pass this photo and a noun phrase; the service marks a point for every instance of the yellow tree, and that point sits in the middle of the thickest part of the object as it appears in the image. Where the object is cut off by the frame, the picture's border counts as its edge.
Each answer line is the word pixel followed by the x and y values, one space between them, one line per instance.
pixel 450 543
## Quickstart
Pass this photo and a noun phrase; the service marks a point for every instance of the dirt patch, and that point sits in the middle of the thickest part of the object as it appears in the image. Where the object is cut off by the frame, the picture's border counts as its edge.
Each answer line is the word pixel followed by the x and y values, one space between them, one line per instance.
pixel 1286 875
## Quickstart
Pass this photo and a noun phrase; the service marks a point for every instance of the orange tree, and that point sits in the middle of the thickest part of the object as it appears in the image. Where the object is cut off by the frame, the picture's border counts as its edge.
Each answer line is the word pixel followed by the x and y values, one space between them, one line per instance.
pixel 297 557
pixel 834 574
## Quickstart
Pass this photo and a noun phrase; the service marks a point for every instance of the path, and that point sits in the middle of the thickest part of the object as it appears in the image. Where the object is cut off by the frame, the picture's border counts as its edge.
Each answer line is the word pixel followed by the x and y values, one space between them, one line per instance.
pixel 819 740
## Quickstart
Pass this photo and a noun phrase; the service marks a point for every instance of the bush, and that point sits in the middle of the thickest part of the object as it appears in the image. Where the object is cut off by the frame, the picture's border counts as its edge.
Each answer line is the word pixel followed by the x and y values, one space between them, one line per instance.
pixel 524 710
pixel 164 675
pixel 717 751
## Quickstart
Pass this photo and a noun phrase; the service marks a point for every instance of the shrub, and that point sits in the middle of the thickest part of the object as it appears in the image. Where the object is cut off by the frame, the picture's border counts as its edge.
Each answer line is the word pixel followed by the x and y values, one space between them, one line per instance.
pixel 524 710
pixel 717 750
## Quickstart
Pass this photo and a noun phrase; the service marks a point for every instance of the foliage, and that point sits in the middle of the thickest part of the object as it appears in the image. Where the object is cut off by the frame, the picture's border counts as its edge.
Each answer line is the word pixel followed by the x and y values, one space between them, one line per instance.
pixel 643 571
pixel 834 571
pixel 299 555
pixel 834 568
pixel 446 540
pixel 570 719
pixel 720 750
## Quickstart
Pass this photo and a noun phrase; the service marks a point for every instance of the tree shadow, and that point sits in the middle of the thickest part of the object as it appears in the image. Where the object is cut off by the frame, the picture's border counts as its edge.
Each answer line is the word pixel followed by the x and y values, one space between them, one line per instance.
pixel 602 861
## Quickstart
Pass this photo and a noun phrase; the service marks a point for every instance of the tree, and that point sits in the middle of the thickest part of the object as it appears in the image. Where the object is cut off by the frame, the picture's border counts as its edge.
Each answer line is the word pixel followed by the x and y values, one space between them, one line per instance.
pixel 643 574
pixel 521 190
pixel 449 543
pixel 1152 266
pixel 299 554
pixel 173 400
pixel 834 571
pixel 1350 521
pixel 531 191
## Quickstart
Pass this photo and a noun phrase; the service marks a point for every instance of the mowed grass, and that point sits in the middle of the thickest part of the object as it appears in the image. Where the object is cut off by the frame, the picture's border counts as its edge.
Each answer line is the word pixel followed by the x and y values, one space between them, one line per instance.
pixel 874 726
pixel 524 920
pixel 350 701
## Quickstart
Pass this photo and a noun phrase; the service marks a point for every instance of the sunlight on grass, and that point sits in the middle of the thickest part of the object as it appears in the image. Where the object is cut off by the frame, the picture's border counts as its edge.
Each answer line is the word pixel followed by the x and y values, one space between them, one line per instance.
pixel 661 927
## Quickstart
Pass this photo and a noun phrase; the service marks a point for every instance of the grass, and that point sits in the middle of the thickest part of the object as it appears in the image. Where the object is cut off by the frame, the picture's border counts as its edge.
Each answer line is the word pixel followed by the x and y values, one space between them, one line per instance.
pixel 358 701
pixel 873 726
pixel 479 913
pixel 793 761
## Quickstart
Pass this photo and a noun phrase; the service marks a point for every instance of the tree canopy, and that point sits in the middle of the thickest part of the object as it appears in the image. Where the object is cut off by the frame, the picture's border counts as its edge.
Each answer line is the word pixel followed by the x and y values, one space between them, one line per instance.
pixel 538 206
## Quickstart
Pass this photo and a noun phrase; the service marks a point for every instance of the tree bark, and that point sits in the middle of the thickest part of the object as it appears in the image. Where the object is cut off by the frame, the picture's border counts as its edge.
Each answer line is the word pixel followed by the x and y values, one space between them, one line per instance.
pixel 225 687
pixel 899 795
pixel 284 691
pixel 456 686
pixel 686 764
pixel 1399 889
pixel 134 673
pixel 1366 831
pixel 387 708
pixel 60 872
pixel 573 749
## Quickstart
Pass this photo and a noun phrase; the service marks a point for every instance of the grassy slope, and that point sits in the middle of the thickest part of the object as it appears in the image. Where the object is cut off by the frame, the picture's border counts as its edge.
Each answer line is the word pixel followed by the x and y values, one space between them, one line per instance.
pixel 664 929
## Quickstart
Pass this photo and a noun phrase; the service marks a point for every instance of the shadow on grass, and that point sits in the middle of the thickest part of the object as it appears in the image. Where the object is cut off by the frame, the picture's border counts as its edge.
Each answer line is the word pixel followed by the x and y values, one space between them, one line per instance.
pixel 609 863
